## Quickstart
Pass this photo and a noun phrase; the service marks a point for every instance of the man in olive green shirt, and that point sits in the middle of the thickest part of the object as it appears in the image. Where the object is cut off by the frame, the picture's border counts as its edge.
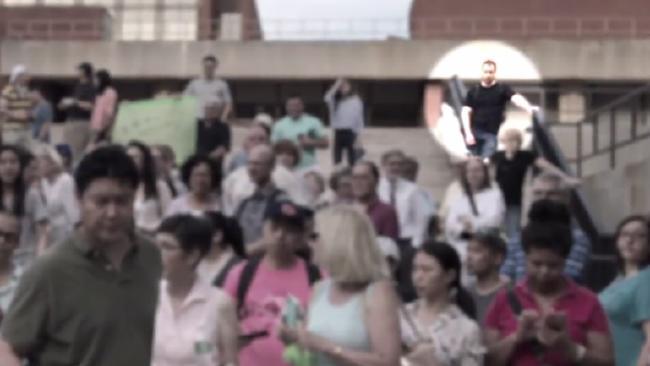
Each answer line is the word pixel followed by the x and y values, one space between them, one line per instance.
pixel 91 301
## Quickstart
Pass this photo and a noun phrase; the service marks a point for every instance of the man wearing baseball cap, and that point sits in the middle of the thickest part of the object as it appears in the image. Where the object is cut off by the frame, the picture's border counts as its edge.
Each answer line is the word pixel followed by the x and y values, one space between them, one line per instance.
pixel 262 285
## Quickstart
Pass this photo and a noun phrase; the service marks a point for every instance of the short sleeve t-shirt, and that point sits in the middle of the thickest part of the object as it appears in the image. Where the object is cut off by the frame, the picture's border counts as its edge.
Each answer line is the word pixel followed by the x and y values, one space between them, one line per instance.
pixel 482 302
pixel 84 92
pixel 583 312
pixel 208 92
pixel 488 106
pixel 627 304
pixel 263 305
pixel 510 174
pixel 290 129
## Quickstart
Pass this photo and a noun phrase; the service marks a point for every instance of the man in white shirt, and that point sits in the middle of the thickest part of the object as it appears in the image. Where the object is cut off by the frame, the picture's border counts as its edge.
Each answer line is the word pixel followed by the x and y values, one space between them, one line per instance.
pixel 209 89
pixel 404 197
pixel 238 185
pixel 426 203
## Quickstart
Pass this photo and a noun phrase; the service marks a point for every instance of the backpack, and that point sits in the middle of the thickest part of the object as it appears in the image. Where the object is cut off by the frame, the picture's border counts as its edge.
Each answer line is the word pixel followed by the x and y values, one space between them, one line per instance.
pixel 248 274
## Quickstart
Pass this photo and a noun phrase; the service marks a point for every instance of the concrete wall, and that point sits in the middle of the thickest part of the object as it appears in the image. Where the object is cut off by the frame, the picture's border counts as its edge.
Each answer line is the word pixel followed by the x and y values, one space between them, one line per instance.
pixel 614 60
pixel 614 194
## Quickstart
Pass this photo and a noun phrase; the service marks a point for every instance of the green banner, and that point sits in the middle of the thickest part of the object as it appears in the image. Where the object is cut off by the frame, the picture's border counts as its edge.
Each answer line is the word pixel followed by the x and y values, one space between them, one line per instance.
pixel 169 121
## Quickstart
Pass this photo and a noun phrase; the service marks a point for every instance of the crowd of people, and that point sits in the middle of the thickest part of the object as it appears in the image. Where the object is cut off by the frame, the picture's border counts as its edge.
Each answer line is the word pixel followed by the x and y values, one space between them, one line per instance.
pixel 250 255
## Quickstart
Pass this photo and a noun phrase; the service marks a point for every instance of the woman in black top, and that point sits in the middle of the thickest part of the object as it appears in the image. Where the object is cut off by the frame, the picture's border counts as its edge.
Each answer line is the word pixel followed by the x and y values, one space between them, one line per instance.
pixel 511 166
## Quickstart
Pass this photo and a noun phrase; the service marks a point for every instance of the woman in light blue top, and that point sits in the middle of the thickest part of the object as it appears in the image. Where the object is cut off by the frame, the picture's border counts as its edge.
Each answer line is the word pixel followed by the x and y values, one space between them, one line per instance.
pixel 346 119
pixel 353 316
pixel 627 300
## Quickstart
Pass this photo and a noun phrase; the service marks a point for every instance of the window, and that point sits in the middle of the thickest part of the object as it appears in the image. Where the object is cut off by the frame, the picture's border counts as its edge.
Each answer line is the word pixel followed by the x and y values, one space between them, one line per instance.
pixel 138 24
pixel 20 2
pixel 179 24
pixel 106 3
pixel 189 3
pixel 58 2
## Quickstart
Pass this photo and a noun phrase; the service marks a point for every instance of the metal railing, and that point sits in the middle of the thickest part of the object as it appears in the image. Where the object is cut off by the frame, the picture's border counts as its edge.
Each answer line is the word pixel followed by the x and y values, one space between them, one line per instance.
pixel 548 147
pixel 606 130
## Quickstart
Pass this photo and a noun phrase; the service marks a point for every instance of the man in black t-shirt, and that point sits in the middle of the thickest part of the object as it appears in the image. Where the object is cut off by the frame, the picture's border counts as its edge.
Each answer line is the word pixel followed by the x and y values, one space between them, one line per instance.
pixel 484 111
pixel 511 166
pixel 213 136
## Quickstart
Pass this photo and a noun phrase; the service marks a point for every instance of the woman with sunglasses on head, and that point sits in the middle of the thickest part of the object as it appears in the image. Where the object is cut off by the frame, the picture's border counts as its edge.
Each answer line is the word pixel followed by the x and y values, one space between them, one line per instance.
pixel 196 323
pixel 352 317
pixel 627 299
pixel 547 319
pixel 438 328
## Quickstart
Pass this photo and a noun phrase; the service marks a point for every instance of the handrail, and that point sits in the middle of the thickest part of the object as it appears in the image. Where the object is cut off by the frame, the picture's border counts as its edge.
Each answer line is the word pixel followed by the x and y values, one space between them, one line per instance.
pixel 547 146
pixel 631 102
pixel 457 93
pixel 616 102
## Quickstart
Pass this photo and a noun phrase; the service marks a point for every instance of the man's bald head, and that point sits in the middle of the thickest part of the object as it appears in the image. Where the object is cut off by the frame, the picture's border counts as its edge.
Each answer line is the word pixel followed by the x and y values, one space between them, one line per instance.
pixel 261 161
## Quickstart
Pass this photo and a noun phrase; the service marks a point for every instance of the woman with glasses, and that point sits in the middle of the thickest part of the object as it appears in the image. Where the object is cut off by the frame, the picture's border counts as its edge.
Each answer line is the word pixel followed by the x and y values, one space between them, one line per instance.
pixel 196 323
pixel 627 299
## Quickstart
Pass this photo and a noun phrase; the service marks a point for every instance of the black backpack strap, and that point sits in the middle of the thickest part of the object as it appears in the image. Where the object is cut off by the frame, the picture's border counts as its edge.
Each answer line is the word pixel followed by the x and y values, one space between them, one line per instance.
pixel 515 305
pixel 245 279
pixel 313 273
pixel 513 301
pixel 220 279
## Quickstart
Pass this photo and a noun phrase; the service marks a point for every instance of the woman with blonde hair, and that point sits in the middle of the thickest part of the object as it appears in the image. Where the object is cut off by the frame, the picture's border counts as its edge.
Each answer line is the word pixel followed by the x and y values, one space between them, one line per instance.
pixel 358 294
pixel 57 189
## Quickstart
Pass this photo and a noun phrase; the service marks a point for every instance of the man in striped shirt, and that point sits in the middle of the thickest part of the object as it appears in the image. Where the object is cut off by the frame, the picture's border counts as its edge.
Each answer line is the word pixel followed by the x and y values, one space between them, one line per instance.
pixel 550 186
pixel 16 107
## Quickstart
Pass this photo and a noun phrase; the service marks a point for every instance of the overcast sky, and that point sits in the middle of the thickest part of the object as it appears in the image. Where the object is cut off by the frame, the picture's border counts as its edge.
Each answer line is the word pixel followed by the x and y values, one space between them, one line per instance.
pixel 334 19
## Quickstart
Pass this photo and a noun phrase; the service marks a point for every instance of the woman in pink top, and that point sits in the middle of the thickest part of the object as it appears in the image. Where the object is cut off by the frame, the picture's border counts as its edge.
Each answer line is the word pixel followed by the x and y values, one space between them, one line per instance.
pixel 196 323
pixel 104 109
pixel 547 319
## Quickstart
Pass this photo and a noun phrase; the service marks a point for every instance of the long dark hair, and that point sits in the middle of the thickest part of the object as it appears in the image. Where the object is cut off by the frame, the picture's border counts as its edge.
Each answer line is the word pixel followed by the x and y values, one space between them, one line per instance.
pixel 633 218
pixel 466 187
pixel 449 260
pixel 104 80
pixel 148 171
pixel 231 232
pixel 19 189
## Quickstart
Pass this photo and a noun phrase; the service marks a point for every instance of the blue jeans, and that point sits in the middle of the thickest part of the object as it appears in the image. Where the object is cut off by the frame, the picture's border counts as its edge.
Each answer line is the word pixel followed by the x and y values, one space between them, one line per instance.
pixel 513 222
pixel 486 144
